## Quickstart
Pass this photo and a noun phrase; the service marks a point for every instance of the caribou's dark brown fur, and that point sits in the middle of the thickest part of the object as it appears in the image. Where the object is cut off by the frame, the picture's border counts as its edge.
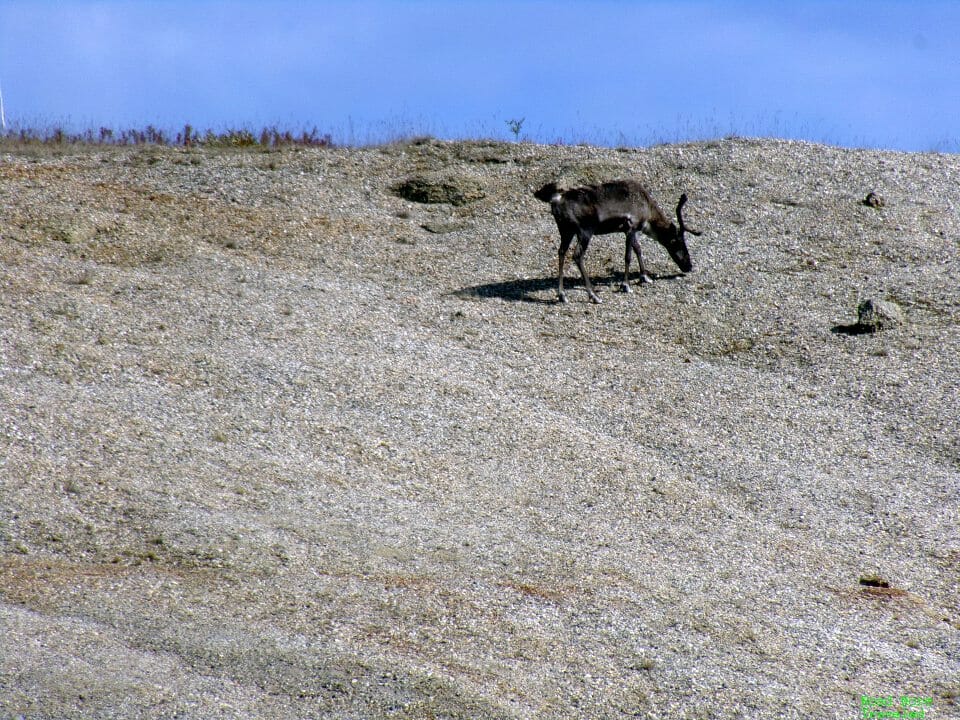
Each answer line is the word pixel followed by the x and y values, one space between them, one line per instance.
pixel 617 206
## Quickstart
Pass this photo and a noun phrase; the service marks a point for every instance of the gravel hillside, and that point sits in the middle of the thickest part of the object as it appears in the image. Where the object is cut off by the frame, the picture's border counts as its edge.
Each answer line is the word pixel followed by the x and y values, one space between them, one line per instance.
pixel 276 442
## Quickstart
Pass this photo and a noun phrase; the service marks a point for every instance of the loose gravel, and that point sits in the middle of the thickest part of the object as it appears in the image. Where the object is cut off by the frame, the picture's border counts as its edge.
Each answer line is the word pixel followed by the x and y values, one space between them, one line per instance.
pixel 277 442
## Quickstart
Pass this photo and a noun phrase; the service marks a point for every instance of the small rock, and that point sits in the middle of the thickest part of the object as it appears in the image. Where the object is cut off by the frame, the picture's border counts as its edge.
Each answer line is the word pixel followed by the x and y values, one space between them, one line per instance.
pixel 873 200
pixel 873 315
pixel 874 580
pixel 442 228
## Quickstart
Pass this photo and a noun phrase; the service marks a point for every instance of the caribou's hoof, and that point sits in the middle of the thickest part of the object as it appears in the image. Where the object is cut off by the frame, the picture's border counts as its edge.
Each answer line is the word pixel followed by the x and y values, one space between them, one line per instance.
pixel 625 287
pixel 646 279
pixel 561 298
pixel 595 299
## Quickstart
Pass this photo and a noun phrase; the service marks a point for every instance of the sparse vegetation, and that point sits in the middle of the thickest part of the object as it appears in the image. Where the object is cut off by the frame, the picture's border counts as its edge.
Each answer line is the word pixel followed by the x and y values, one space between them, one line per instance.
pixel 515 126
pixel 267 137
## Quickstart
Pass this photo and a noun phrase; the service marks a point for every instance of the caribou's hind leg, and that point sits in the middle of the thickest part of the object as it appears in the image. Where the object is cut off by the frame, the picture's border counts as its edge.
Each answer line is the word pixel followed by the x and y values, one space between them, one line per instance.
pixel 583 243
pixel 562 264
pixel 627 252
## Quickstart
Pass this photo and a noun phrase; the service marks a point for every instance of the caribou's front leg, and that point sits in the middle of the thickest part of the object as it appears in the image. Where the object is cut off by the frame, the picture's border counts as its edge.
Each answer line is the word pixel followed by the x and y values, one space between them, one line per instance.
pixel 635 243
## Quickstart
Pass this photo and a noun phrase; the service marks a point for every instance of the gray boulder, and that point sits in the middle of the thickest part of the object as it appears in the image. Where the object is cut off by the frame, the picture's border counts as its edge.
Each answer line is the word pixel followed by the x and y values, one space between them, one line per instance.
pixel 873 315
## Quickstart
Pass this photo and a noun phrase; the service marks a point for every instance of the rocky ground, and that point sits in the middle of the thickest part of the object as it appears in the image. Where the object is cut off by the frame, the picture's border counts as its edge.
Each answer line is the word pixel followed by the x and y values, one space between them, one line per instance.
pixel 276 442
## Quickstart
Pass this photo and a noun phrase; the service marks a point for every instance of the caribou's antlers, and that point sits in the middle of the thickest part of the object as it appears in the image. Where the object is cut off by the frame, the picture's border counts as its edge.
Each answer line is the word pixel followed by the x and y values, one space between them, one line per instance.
pixel 684 228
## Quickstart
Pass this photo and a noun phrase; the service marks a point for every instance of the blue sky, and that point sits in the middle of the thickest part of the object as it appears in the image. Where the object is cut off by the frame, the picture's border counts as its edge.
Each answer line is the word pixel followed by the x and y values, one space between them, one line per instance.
pixel 867 74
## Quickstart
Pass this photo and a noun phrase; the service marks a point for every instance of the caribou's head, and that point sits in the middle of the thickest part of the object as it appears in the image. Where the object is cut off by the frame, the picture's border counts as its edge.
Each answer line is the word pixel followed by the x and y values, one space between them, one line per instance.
pixel 673 239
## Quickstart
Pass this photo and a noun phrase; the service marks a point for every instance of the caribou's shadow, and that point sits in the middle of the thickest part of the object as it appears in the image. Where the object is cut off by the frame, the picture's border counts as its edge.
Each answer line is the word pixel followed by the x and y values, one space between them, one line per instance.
pixel 854 329
pixel 522 290
pixel 531 289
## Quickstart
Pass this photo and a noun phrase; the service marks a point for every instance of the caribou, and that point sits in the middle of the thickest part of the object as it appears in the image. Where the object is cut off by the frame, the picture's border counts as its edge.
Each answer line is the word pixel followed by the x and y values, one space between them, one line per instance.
pixel 611 207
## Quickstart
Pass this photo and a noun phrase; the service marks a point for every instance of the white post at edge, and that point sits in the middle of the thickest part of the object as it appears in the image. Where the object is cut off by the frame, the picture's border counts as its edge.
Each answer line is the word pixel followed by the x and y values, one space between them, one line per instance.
pixel 3 120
